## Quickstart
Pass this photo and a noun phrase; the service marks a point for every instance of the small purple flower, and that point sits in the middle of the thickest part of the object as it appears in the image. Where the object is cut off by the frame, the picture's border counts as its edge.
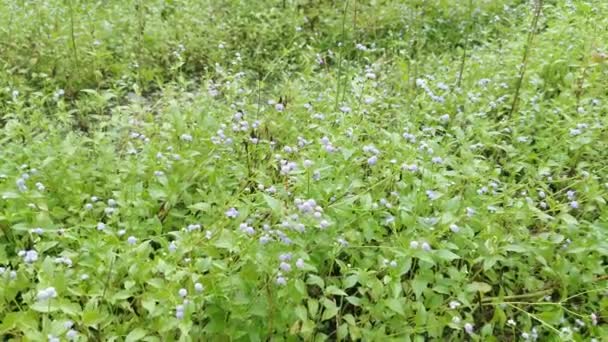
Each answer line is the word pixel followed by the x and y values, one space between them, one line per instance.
pixel 179 312
pixel 281 281
pixel 47 293
pixel 37 231
pixel 470 212
pixel 285 257
pixel 432 195
pixel 132 240
pixel 29 256
pixel 426 247
pixel 232 213
pixel 454 304
pixel 574 205
pixel 182 292
pixel 71 334
pixel 21 184
pixel 372 160
pixel 285 267
pixel 345 109
pixel 468 327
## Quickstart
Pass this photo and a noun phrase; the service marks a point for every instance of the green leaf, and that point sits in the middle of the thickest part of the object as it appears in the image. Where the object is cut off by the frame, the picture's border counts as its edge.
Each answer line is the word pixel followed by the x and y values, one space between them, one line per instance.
pixel 43 306
pixel 331 310
pixel 226 240
pixel 157 193
pixel 342 331
pixel 331 289
pixel 149 304
pixel 301 312
pixel 418 285
pixel 356 301
pixel 91 317
pixel 200 206
pixel 479 287
pixel 516 248
pixel 447 255
pixel 315 280
pixel 275 205
pixel 70 309
pixel 350 281
pixel 313 307
pixel 396 305
pixel 136 335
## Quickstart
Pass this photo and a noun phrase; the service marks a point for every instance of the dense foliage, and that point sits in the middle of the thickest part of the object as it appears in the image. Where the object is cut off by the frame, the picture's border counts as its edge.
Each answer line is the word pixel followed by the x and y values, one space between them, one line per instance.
pixel 303 170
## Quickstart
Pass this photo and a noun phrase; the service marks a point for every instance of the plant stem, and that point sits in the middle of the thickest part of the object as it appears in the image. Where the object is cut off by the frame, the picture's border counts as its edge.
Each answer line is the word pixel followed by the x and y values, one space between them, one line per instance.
pixel 466 43
pixel 73 35
pixel 339 79
pixel 524 60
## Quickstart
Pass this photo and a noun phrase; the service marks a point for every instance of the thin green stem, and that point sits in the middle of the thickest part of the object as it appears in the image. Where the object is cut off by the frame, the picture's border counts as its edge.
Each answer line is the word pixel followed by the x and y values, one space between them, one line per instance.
pixel 524 61
pixel 533 316
pixel 339 78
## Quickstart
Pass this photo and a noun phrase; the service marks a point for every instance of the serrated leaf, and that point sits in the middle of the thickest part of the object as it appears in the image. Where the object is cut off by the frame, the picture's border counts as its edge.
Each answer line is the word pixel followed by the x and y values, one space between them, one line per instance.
pixel 315 280
pixel 350 281
pixel 331 289
pixel 356 301
pixel 70 309
pixel 350 319
pixel 91 317
pixel 447 255
pixel 516 248
pixel 157 193
pixel 274 204
pixel 418 285
pixel 342 331
pixel 396 305
pixel 479 287
pixel 313 307
pixel 301 312
pixel 136 335
pixel 149 304
pixel 45 306
pixel 200 206
pixel 331 310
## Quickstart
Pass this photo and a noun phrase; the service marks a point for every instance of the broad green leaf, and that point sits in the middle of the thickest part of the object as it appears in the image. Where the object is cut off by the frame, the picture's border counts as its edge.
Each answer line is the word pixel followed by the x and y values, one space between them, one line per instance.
pixel 330 309
pixel 331 289
pixel 200 206
pixel 136 335
pixel 274 204
pixel 301 312
pixel 313 307
pixel 396 305
pixel 444 254
pixel 478 287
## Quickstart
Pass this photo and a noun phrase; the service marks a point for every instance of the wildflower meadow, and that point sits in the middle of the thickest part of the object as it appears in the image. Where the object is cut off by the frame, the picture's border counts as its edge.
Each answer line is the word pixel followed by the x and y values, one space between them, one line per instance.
pixel 303 170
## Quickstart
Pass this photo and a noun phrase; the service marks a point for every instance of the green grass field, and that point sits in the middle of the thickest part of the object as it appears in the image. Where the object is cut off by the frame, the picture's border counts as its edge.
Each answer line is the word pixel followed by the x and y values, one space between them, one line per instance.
pixel 303 170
